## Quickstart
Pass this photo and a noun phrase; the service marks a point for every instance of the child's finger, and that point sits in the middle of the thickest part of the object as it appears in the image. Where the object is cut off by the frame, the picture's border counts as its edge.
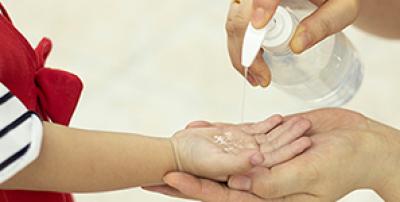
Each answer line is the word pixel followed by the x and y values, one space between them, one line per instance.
pixel 292 132
pixel 287 152
pixel 250 128
pixel 279 130
pixel 263 126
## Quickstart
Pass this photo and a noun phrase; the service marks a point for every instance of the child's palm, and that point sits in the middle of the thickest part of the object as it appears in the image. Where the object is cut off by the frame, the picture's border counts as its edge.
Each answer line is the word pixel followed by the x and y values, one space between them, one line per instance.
pixel 215 152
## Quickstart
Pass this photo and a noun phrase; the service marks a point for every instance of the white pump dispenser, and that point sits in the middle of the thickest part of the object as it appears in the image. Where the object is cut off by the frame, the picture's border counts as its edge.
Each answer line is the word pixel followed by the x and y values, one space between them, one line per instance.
pixel 275 36
pixel 327 75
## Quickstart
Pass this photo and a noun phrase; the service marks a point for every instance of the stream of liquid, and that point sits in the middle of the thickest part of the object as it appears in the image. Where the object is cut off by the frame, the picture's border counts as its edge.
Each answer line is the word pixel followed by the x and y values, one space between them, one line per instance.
pixel 243 109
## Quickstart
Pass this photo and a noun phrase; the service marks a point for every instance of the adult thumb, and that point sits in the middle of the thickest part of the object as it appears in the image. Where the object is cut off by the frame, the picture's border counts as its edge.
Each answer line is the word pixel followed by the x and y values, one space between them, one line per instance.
pixel 330 18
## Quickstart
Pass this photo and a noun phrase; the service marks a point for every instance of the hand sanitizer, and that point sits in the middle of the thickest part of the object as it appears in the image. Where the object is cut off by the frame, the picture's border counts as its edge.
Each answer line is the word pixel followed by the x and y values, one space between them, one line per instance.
pixel 327 75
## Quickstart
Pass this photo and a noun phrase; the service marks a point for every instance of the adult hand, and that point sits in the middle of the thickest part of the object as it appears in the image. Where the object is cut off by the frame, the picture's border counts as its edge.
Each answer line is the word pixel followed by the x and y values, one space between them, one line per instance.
pixel 331 16
pixel 349 152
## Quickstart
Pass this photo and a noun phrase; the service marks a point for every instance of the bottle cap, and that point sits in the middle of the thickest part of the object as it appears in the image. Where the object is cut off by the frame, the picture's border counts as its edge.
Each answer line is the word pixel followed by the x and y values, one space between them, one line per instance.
pixel 273 36
pixel 277 39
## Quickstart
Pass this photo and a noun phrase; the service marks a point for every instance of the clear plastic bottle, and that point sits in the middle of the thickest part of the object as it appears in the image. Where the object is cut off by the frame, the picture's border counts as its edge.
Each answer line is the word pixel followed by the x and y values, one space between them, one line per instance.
pixel 329 74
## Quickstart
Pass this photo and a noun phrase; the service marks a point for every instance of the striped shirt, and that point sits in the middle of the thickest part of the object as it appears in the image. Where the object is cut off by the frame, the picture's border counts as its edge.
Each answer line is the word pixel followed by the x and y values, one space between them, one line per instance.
pixel 20 135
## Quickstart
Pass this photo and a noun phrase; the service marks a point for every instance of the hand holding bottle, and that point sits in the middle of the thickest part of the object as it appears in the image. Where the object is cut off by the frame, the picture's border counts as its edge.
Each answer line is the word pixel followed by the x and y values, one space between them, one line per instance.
pixel 330 17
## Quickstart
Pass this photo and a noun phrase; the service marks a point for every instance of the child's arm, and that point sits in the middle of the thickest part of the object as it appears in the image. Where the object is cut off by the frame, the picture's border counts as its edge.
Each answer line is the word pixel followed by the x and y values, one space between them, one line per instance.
pixel 73 160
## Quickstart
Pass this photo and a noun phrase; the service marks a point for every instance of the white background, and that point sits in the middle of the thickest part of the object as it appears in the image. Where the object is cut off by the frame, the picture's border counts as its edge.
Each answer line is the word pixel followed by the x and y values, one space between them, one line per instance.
pixel 152 66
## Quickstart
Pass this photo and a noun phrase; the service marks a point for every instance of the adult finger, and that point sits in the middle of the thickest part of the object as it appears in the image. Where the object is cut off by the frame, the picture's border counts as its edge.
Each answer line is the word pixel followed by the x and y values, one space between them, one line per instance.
pixel 263 11
pixel 166 190
pixel 200 189
pixel 330 18
pixel 280 181
pixel 260 70
pixel 243 183
pixel 238 18
pixel 285 179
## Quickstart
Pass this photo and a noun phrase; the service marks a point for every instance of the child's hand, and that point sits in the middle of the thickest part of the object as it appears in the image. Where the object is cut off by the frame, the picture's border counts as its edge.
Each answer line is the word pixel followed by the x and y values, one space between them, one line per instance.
pixel 218 150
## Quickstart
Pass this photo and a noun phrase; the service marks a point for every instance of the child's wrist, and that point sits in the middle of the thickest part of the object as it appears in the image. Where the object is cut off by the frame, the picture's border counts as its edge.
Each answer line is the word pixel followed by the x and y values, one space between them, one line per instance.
pixel 167 162
pixel 175 153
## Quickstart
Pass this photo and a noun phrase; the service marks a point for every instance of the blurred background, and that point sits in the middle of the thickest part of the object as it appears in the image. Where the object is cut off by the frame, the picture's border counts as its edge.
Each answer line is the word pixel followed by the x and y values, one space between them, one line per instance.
pixel 152 66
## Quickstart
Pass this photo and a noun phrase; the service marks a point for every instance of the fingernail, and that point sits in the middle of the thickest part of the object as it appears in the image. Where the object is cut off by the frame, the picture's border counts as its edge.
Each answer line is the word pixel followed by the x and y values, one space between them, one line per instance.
pixel 259 80
pixel 264 83
pixel 301 41
pixel 258 17
pixel 240 183
pixel 257 159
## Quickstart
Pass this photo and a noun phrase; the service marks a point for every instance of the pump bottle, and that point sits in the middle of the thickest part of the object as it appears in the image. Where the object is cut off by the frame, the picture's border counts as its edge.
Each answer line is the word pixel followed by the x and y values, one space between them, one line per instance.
pixel 327 75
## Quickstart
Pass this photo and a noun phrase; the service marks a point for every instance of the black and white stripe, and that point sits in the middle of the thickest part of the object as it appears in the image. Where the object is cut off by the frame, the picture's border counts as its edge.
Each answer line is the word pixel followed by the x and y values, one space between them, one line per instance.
pixel 14 157
pixel 20 135
pixel 6 97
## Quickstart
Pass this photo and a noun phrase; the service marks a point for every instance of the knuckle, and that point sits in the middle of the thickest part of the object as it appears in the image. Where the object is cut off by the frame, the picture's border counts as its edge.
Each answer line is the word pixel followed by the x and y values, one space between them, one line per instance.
pixel 230 27
pixel 325 27
pixel 317 30
pixel 268 160
pixel 236 24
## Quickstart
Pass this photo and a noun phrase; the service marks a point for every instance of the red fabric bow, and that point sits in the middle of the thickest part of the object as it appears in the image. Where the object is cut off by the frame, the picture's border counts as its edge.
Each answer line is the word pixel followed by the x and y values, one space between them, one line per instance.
pixel 58 91
pixel 53 94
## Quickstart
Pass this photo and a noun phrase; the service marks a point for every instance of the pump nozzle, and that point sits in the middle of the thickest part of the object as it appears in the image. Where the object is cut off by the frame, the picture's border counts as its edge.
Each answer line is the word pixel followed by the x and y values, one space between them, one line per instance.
pixel 253 39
